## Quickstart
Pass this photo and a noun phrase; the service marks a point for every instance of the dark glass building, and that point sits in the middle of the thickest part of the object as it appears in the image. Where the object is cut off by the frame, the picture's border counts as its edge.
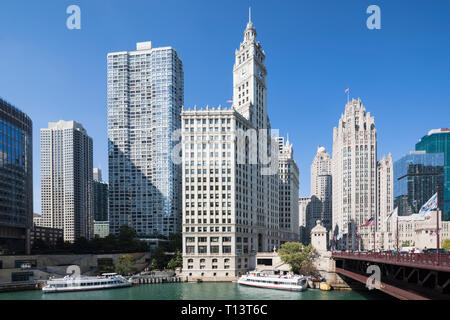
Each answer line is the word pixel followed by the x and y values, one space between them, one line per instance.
pixel 100 201
pixel 16 180
pixel 416 177
pixel 438 141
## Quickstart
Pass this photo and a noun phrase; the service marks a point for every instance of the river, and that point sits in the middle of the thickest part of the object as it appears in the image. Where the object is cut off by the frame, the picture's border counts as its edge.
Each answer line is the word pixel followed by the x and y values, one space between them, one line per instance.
pixel 194 291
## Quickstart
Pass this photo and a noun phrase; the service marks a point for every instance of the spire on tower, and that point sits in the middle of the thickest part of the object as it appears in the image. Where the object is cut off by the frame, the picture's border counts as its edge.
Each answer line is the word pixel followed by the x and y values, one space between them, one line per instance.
pixel 249 14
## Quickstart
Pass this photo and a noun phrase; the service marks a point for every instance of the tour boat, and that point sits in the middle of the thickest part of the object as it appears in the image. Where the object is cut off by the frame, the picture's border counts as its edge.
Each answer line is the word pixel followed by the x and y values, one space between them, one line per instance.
pixel 82 283
pixel 272 281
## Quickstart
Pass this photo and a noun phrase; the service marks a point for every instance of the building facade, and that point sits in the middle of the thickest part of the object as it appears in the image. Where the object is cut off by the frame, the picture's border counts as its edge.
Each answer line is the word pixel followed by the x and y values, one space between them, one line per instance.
pixel 100 194
pixel 385 185
pixel 145 98
pixel 416 177
pixel 320 207
pixel 302 216
pixel 16 179
pixel 288 191
pixel 66 179
pixel 230 191
pixel 354 171
pixel 101 229
pixel 438 141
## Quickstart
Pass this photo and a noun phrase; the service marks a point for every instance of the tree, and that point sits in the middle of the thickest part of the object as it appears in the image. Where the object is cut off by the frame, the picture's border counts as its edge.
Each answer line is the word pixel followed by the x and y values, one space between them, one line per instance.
pixel 175 242
pixel 176 261
pixel 160 258
pixel 298 256
pixel 125 265
pixel 446 244
pixel 406 243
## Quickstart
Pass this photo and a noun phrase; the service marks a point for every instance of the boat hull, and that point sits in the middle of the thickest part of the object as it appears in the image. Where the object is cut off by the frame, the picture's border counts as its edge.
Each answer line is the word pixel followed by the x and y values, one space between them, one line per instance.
pixel 273 286
pixel 87 288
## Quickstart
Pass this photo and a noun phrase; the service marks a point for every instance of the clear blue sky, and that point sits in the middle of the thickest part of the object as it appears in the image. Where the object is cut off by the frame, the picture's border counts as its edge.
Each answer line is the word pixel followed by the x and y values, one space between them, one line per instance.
pixel 315 49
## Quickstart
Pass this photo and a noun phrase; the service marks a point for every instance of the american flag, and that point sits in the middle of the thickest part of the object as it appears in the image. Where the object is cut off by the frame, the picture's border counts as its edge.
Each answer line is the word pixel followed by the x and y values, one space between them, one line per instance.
pixel 229 101
pixel 346 90
pixel 368 223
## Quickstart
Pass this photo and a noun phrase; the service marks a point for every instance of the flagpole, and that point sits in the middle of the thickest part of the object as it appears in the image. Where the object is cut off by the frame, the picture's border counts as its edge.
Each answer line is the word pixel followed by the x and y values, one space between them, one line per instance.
pixel 437 224
pixel 397 232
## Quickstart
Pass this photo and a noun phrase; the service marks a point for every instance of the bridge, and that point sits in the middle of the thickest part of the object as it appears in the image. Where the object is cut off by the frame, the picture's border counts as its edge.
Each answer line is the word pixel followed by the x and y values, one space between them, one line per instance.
pixel 414 276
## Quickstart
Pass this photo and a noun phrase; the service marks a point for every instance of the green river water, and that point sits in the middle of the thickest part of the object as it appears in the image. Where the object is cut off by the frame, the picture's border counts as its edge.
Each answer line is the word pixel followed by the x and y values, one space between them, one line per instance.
pixel 194 291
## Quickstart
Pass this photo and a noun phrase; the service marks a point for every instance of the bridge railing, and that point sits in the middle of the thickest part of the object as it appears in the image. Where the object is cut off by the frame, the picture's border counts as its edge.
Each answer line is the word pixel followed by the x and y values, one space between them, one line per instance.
pixel 425 259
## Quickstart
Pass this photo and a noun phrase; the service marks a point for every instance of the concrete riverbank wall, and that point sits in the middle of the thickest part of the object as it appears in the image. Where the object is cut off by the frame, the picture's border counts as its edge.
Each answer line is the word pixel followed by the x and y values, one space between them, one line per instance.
pixel 41 267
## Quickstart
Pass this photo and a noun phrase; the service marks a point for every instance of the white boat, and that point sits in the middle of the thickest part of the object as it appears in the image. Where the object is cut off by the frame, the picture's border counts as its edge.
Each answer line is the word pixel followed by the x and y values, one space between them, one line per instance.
pixel 70 283
pixel 272 281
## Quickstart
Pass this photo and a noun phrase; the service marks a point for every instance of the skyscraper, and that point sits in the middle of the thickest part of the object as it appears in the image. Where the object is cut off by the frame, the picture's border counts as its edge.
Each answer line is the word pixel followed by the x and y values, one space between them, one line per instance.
pixel 354 172
pixel 16 179
pixel 100 193
pixel 416 177
pixel 438 141
pixel 385 185
pixel 66 179
pixel 145 98
pixel 230 194
pixel 321 191
pixel 288 190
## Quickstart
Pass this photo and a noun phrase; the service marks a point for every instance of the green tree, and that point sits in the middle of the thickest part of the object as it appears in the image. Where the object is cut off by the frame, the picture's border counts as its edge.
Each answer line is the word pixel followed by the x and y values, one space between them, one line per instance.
pixel 298 256
pixel 175 241
pixel 176 261
pixel 125 265
pixel 406 243
pixel 446 244
pixel 160 258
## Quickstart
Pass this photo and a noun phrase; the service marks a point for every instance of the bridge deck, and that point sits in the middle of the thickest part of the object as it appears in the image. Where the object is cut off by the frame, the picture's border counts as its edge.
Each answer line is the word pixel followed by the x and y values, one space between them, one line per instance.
pixel 415 260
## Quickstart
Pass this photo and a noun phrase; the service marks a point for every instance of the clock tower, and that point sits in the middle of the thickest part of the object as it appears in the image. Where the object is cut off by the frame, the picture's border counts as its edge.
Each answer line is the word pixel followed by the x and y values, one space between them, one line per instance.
pixel 249 79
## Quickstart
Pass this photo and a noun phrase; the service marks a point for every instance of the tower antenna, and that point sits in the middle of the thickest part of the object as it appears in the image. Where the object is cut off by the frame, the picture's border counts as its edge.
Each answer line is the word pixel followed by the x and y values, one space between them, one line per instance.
pixel 249 14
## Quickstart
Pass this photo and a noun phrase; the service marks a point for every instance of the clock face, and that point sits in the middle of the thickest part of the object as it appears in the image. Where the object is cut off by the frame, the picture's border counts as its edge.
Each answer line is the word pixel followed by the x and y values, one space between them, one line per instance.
pixel 243 72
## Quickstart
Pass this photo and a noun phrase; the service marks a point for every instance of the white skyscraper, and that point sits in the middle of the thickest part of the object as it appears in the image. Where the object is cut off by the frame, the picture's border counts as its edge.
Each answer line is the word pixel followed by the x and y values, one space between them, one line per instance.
pixel 145 98
pixel 354 175
pixel 230 203
pixel 385 191
pixel 66 179
pixel 288 189
pixel 321 190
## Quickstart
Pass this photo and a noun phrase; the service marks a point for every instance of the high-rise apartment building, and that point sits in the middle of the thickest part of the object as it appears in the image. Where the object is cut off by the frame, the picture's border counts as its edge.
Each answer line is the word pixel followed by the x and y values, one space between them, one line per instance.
pixel 354 172
pixel 321 191
pixel 438 141
pixel 385 185
pixel 230 184
pixel 16 179
pixel 288 190
pixel 145 98
pixel 66 179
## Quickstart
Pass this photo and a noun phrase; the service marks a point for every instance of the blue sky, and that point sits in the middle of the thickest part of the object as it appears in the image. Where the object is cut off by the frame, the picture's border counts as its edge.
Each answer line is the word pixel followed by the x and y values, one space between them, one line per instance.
pixel 315 49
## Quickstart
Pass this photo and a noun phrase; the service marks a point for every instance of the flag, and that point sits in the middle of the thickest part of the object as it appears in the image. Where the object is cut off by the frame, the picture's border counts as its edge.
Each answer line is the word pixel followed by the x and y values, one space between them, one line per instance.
pixel 433 233
pixel 429 205
pixel 229 101
pixel 357 231
pixel 393 214
pixel 339 236
pixel 368 223
pixel 346 90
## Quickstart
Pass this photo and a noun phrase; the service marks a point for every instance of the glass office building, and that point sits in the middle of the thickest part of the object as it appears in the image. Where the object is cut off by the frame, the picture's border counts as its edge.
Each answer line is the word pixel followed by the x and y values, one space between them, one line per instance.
pixel 416 177
pixel 16 179
pixel 145 99
pixel 438 141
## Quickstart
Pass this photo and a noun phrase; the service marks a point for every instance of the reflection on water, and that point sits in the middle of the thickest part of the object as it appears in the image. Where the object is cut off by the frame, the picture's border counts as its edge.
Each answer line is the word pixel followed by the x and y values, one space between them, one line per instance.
pixel 194 291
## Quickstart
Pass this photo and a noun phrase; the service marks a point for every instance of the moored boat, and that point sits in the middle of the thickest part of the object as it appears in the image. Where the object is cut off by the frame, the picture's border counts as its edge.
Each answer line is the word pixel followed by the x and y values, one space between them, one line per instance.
pixel 272 281
pixel 69 283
